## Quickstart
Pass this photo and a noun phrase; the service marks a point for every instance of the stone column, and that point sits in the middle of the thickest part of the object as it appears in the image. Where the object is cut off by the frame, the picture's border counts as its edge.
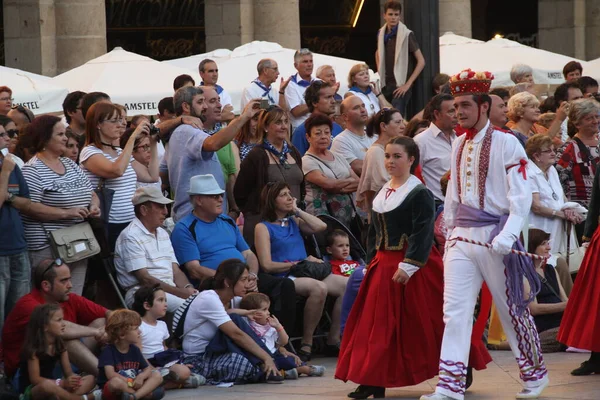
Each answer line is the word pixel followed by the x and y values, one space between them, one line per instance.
pixel 421 17
pixel 29 35
pixel 587 27
pixel 228 23
pixel 455 16
pixel 277 20
pixel 80 32
pixel 562 26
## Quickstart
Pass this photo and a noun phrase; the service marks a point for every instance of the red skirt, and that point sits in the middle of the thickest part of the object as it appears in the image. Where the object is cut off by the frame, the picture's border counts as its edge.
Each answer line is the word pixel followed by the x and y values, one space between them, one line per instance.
pixel 393 336
pixel 580 325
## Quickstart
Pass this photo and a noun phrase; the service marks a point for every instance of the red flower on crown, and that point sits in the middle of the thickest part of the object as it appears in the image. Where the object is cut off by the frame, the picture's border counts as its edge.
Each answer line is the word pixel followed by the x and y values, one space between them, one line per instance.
pixel 469 82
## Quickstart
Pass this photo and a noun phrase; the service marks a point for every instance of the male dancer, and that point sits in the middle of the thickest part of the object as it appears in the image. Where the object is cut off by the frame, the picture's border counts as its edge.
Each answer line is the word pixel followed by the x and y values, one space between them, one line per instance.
pixel 488 198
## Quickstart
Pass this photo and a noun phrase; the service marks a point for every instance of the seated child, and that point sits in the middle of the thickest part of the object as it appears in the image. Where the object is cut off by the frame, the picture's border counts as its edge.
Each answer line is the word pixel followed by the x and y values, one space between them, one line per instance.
pixel 43 350
pixel 338 247
pixel 124 373
pixel 151 303
pixel 268 328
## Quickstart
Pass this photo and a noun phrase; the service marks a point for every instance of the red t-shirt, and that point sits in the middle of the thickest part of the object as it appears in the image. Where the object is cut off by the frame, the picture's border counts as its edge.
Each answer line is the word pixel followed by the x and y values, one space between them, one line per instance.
pixel 77 309
pixel 343 267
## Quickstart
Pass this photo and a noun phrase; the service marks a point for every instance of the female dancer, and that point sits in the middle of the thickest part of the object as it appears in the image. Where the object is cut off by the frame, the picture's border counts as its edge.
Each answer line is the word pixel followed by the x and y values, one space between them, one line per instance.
pixel 393 335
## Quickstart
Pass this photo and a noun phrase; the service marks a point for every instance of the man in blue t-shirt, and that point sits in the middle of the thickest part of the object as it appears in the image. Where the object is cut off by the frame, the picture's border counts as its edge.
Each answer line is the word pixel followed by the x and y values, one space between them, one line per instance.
pixel 15 270
pixel 205 238
pixel 319 97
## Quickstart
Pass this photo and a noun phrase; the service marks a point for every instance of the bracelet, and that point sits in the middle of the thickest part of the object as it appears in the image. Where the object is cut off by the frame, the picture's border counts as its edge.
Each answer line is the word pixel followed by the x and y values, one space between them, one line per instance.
pixel 378 94
pixel 58 381
pixel 188 285
pixel 297 214
pixel 554 213
pixel 280 329
pixel 280 92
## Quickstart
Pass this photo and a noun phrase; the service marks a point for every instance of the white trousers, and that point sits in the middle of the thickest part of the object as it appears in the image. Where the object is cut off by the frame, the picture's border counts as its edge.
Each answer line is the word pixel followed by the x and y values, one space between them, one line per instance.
pixel 466 266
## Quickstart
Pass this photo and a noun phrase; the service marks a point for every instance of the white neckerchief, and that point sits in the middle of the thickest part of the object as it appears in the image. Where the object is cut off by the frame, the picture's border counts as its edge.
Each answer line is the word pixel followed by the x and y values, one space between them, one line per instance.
pixel 395 197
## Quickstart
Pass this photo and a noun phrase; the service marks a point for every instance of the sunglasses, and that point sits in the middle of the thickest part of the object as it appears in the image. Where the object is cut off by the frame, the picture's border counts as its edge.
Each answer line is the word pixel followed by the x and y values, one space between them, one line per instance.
pixel 58 262
pixel 215 196
pixel 12 133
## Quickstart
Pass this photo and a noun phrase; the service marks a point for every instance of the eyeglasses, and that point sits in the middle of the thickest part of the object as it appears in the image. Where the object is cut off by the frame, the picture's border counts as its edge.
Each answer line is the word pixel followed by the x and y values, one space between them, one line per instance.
pixel 549 151
pixel 12 133
pixel 144 147
pixel 58 262
pixel 9 99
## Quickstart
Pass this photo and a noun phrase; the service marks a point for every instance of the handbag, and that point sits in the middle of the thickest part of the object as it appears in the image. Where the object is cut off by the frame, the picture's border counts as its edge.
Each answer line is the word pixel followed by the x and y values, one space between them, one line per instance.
pixel 310 269
pixel 73 243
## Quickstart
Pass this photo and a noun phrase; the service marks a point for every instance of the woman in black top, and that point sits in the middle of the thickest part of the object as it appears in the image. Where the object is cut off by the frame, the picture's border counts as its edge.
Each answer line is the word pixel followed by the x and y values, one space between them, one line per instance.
pixel 548 307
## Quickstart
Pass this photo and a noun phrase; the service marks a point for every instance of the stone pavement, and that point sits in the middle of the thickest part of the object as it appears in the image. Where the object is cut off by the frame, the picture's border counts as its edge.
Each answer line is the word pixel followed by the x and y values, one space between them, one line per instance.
pixel 499 381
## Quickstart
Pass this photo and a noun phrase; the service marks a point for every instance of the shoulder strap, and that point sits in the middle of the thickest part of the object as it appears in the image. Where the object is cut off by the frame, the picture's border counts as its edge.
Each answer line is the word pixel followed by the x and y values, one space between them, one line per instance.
pixel 584 150
pixel 322 163
pixel 549 286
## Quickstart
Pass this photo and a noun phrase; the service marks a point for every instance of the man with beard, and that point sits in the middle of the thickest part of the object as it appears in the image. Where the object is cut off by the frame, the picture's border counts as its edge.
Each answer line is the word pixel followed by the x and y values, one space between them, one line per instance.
pixel 487 200
pixel 192 151
pixel 84 320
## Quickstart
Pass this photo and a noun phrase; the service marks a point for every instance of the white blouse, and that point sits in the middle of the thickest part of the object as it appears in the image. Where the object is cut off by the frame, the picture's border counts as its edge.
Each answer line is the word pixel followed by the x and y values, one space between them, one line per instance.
pixel 551 196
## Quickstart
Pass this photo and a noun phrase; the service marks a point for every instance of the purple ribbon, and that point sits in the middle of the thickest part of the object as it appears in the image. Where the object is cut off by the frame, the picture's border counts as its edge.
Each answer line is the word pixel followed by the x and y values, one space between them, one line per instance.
pixel 517 266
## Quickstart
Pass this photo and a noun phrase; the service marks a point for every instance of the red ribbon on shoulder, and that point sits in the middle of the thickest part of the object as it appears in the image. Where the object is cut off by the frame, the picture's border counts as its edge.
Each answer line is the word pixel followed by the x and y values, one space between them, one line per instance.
pixel 522 167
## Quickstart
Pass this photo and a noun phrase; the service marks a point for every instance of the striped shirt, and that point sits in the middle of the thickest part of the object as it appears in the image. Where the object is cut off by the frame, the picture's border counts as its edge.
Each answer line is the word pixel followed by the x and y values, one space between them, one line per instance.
pixel 121 210
pixel 137 248
pixel 71 189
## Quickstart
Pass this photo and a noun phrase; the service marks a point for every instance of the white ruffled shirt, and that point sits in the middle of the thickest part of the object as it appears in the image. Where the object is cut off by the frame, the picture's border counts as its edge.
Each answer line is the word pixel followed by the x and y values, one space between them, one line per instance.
pixel 383 204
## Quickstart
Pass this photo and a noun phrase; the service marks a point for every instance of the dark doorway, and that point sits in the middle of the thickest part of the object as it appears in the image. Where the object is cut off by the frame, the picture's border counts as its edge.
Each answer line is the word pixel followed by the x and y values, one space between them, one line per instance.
pixel 514 19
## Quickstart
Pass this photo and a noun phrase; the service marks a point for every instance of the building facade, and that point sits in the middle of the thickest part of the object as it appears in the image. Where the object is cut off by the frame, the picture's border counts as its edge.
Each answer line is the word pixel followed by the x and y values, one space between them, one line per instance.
pixel 53 36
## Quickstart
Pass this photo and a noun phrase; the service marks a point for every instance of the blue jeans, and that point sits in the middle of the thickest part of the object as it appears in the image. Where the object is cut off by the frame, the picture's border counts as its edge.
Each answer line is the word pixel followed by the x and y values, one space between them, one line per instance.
pixel 15 278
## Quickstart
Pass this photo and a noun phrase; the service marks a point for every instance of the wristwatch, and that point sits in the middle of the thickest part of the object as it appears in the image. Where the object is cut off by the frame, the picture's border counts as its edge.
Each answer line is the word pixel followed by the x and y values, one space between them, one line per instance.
pixel 10 198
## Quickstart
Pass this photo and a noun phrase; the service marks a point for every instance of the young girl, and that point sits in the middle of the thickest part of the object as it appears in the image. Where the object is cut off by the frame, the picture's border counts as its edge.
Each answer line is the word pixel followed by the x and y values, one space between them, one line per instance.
pixel 42 351
pixel 123 371
pixel 151 304
pixel 272 333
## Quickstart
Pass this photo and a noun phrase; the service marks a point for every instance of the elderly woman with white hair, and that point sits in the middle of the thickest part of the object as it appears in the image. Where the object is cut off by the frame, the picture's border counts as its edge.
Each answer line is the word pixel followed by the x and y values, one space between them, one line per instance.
pixel 520 73
pixel 359 83
pixel 523 113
